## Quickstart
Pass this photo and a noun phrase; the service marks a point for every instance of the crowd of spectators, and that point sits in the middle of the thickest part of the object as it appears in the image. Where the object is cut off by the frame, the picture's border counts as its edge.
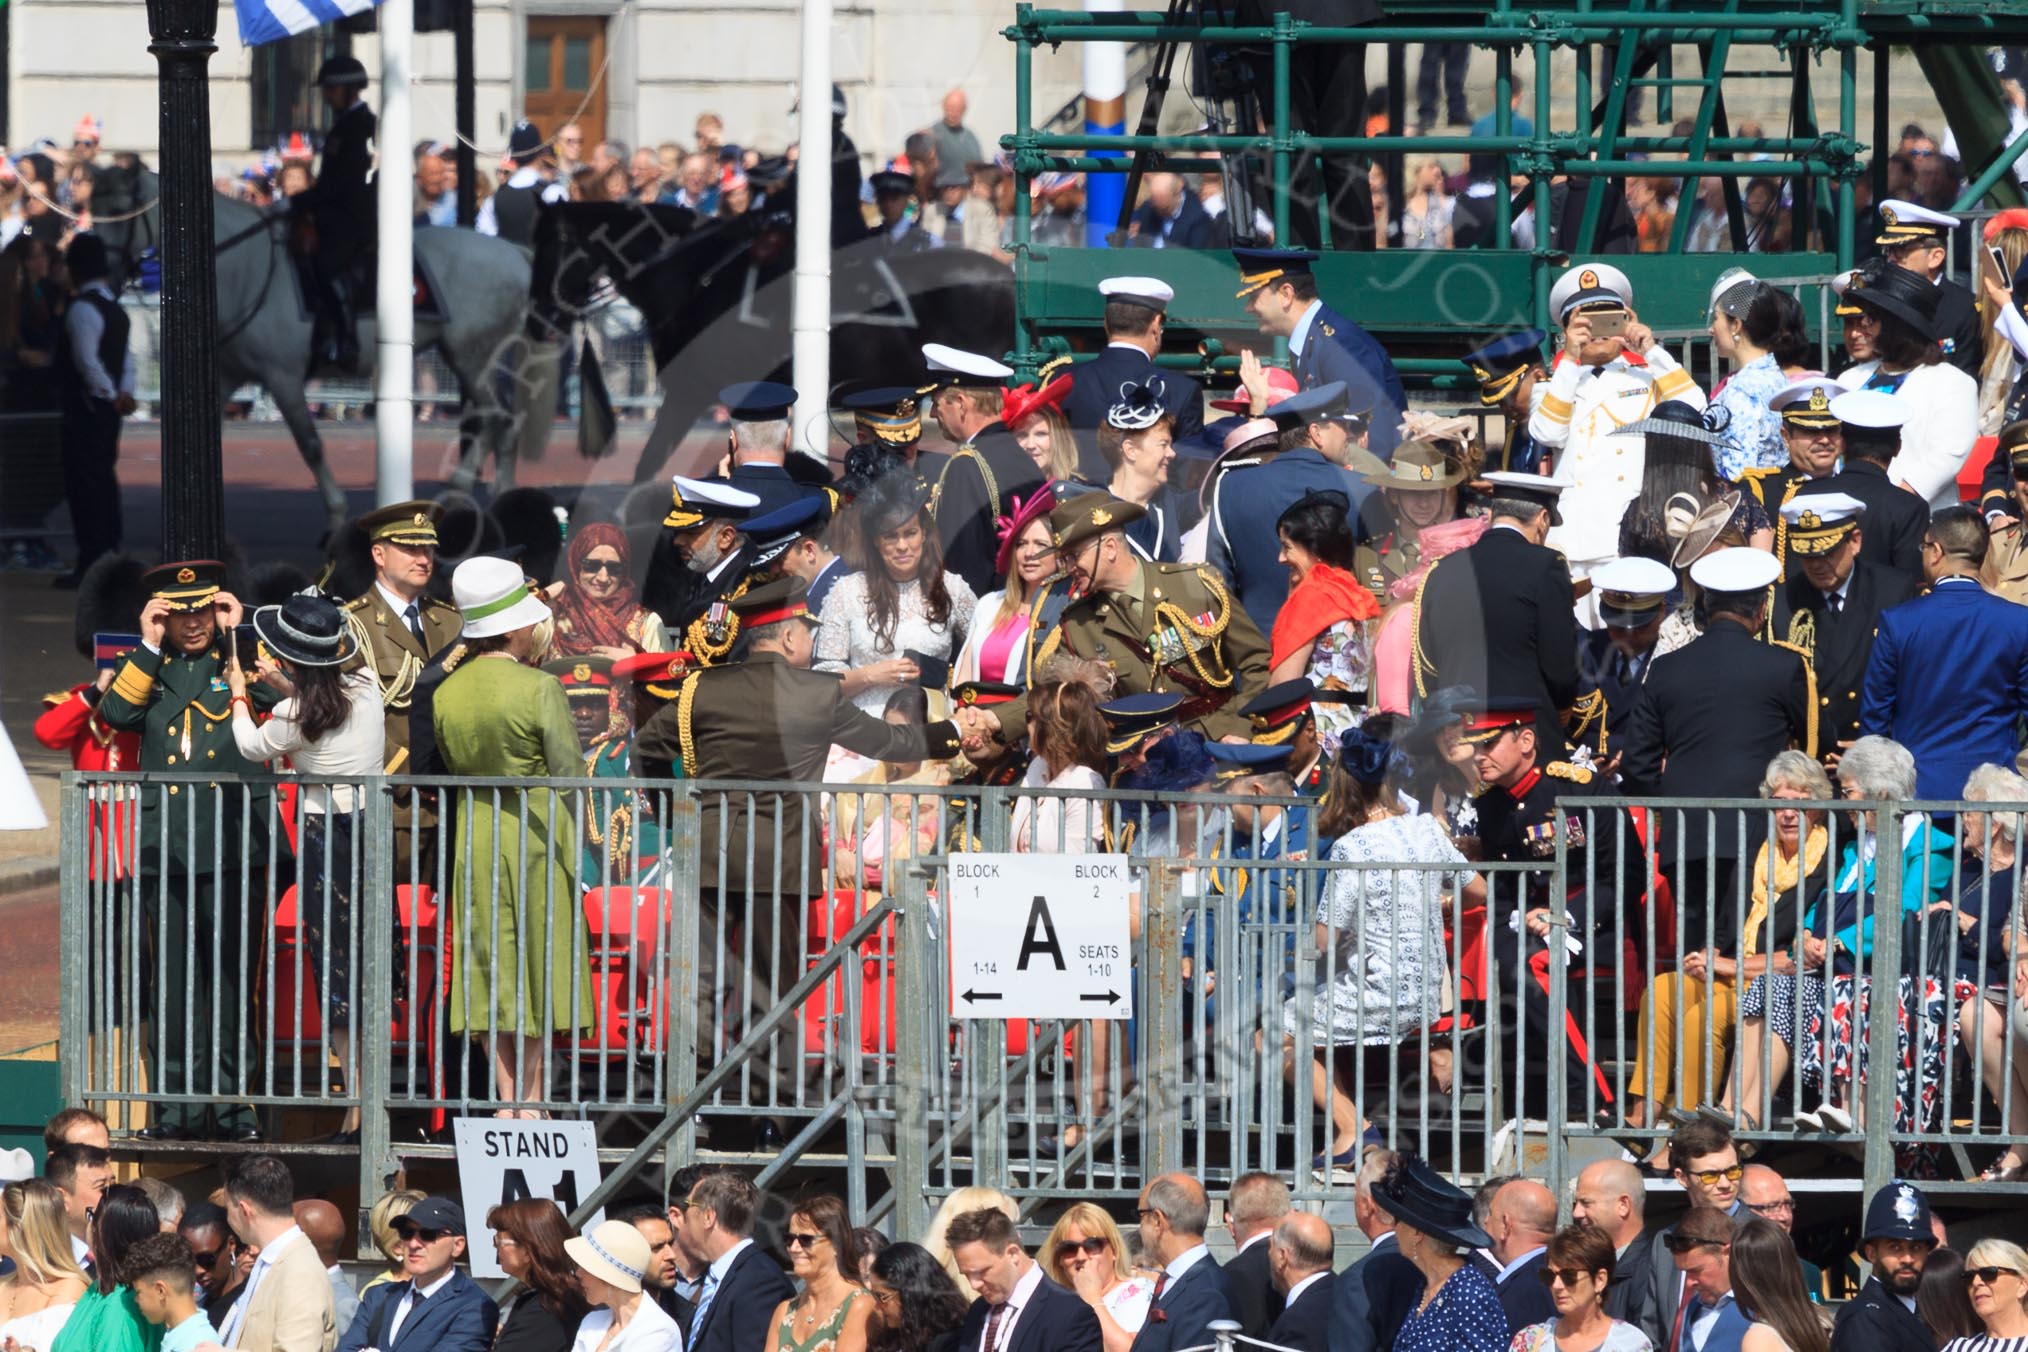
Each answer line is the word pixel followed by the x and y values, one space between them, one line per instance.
pixel 718 1266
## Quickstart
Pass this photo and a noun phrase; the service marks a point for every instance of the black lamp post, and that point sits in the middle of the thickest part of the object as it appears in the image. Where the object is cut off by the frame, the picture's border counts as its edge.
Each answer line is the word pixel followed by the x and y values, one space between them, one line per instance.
pixel 183 34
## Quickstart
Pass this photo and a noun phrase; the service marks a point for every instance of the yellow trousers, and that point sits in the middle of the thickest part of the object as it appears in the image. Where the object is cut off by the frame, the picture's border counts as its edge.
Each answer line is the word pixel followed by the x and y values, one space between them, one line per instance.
pixel 1706 1017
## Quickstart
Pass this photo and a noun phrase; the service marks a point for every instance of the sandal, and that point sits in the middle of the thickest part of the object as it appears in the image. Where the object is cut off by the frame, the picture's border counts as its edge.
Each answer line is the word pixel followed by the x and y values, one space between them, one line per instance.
pixel 2000 1172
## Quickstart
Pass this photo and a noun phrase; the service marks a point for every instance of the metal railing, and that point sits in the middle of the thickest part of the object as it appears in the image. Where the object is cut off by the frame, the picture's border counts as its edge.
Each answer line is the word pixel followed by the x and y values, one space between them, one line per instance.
pixel 676 959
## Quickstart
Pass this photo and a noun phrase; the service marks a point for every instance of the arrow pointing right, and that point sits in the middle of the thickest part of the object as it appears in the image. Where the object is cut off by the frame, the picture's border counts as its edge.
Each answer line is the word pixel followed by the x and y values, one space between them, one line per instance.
pixel 1109 998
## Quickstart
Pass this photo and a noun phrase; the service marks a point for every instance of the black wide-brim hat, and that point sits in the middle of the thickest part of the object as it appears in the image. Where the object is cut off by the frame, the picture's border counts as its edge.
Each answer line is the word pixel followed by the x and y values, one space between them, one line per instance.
pixel 1421 1197
pixel 1892 290
pixel 308 631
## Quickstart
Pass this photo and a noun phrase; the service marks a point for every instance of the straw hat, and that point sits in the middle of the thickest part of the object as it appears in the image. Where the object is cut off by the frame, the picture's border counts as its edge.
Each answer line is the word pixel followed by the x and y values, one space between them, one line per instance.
pixel 614 1252
pixel 493 596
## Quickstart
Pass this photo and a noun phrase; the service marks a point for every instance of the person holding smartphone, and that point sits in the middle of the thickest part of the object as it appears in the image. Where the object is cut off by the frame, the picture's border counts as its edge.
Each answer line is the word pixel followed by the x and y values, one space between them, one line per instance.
pixel 1610 374
pixel 204 847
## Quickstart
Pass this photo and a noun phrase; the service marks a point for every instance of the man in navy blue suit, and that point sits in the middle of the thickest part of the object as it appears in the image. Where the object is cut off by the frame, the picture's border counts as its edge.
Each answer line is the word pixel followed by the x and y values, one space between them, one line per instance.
pixel 1955 714
pixel 1299 1255
pixel 1190 1292
pixel 439 1308
pixel 1018 1309
pixel 1320 453
pixel 742 1285
pixel 1136 310
pixel 1280 293
pixel 1708 1319
pixel 1372 1297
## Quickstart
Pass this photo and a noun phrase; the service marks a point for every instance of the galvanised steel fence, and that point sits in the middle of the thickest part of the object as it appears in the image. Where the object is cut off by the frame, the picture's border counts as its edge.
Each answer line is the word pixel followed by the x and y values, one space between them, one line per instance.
pixel 679 959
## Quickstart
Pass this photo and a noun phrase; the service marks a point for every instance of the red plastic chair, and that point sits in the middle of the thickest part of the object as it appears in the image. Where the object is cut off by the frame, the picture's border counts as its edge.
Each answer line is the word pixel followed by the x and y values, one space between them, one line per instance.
pixel 623 933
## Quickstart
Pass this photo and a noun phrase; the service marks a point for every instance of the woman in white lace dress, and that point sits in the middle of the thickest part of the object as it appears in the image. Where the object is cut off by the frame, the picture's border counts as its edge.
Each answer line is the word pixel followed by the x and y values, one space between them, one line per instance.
pixel 37 1297
pixel 1381 974
pixel 901 601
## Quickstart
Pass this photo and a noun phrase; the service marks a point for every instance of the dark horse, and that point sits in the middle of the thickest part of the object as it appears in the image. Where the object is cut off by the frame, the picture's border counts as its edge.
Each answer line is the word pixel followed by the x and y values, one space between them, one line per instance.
pixel 716 296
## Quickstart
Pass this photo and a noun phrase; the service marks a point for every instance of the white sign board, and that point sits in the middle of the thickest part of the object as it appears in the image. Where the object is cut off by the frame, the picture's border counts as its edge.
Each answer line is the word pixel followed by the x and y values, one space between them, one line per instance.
pixel 501 1161
pixel 1040 936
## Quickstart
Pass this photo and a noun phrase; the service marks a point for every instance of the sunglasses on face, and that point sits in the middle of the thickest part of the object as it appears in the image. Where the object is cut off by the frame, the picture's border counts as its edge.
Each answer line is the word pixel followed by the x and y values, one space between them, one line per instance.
pixel 886 1297
pixel 1988 1275
pixel 408 1234
pixel 1568 1276
pixel 1070 1248
pixel 208 1259
pixel 1709 1177
pixel 591 566
pixel 807 1243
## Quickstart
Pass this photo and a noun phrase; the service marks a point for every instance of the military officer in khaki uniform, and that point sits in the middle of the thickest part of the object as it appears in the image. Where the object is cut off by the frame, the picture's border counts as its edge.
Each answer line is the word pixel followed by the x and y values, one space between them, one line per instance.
pixel 172 690
pixel 401 628
pixel 1160 626
pixel 1421 489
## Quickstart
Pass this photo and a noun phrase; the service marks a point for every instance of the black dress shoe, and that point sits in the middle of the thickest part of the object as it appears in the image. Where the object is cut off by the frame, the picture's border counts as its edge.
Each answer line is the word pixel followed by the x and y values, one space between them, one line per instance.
pixel 164 1131
pixel 768 1135
pixel 242 1133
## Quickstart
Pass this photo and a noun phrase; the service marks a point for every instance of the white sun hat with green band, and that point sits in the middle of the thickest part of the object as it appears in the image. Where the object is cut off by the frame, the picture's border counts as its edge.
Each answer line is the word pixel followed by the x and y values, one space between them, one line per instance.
pixel 494 598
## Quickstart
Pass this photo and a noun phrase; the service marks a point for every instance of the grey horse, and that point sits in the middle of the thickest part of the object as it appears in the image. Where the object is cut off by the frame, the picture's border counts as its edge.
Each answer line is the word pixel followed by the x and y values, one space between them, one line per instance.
pixel 264 324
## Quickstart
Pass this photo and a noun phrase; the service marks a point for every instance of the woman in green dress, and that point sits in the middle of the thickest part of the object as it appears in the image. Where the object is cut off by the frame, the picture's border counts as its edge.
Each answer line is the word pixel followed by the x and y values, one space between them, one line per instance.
pixel 521 974
pixel 107 1319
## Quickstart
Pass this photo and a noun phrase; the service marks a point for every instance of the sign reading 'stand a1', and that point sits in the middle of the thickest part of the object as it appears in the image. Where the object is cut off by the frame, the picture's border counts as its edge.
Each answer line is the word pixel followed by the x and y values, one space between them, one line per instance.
pixel 502 1161
pixel 1040 936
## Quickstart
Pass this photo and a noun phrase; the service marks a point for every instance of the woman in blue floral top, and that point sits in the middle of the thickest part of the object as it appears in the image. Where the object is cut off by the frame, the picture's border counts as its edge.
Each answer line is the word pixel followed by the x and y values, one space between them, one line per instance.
pixel 1759 329
pixel 1459 1310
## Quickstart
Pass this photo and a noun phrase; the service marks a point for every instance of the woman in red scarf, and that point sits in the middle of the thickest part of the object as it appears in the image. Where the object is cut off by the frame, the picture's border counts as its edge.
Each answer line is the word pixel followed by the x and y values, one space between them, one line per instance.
pixel 597 613
pixel 1321 630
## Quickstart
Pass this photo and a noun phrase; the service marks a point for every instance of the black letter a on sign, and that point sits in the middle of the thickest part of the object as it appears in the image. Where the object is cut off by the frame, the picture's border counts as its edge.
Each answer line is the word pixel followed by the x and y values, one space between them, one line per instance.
pixel 1033 942
pixel 514 1187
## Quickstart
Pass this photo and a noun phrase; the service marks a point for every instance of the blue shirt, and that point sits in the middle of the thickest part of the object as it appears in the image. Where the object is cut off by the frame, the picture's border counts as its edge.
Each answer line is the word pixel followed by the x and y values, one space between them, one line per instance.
pixel 191 1333
pixel 1753 439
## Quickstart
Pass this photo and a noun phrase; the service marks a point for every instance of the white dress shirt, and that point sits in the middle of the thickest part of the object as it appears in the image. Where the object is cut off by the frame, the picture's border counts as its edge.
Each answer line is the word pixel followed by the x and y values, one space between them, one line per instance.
pixel 1182 1263
pixel 403 1306
pixel 84 326
pixel 1304 1285
pixel 1017 1299
pixel 270 1253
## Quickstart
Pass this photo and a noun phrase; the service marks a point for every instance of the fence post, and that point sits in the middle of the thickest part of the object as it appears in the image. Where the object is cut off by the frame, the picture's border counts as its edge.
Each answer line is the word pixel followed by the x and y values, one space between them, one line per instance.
pixel 681 972
pixel 1162 1070
pixel 74 934
pixel 374 1055
pixel 1882 999
pixel 1555 1107
pixel 920 1031
pixel 985 1040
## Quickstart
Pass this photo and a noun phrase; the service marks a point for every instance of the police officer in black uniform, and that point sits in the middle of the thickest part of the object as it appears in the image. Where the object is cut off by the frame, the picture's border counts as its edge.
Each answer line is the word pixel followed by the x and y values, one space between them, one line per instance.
pixel 340 209
pixel 510 213
pixel 1896 1240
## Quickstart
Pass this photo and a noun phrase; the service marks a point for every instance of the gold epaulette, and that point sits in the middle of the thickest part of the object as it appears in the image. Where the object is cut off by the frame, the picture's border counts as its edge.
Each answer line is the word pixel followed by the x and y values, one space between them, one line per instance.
pixel 452 656
pixel 1576 774
pixel 359 602
pixel 55 698
pixel 1589 708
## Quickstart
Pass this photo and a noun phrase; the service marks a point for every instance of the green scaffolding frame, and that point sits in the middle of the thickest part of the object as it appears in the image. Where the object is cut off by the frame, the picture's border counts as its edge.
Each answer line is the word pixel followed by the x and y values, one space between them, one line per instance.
pixel 1423 301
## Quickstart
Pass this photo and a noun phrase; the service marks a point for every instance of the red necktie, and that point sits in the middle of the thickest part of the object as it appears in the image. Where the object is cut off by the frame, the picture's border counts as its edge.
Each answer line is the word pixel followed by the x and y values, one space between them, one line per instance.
pixel 1682 1308
pixel 1161 1280
pixel 993 1327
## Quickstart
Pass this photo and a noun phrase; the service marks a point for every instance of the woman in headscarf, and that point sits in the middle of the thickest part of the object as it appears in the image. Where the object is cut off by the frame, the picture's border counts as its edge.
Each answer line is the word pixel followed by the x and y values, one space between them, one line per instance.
pixel 598 611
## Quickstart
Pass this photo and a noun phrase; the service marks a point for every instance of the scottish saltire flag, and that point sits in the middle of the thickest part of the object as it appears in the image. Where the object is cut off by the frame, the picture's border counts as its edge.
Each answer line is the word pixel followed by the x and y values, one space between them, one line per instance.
pixel 272 20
